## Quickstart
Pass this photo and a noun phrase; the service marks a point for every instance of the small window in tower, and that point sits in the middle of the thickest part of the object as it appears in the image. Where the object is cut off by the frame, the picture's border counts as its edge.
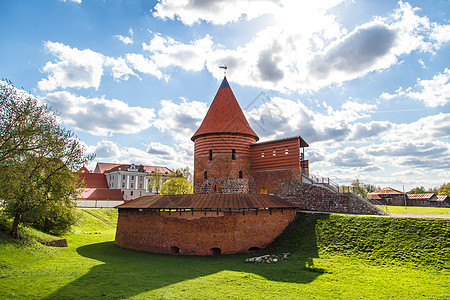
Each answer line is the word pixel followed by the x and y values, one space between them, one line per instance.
pixel 262 153
pixel 286 150
pixel 240 174
pixel 205 175
pixel 215 188
pixel 233 154
pixel 274 152
pixel 210 154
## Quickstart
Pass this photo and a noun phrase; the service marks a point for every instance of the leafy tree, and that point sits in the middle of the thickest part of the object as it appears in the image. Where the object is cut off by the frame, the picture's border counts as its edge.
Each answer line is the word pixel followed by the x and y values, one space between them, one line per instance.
pixel 417 190
pixel 176 186
pixel 156 181
pixel 370 187
pixel 444 189
pixel 359 189
pixel 183 172
pixel 37 155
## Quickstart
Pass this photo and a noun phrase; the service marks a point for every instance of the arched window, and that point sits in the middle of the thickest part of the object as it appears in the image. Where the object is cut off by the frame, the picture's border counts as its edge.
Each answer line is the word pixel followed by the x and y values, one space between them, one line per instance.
pixel 210 154
pixel 240 174
pixel 233 154
pixel 205 175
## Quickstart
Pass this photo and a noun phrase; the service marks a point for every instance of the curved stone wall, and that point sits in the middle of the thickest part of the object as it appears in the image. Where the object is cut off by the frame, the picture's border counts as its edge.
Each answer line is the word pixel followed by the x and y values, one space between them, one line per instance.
pixel 199 233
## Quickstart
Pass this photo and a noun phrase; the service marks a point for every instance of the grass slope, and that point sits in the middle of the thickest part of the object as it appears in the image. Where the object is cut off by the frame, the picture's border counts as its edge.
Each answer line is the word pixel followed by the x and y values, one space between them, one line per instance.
pixel 93 267
pixel 418 210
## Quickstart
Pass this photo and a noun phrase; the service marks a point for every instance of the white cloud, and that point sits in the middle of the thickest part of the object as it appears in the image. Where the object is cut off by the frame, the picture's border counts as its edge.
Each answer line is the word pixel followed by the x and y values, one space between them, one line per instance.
pixel 119 68
pixel 180 120
pixel 100 116
pixel 105 149
pixel 216 12
pixel 73 68
pixel 76 1
pixel 127 40
pixel 144 65
pixel 167 52
pixel 433 92
pixel 304 47
pixel 277 117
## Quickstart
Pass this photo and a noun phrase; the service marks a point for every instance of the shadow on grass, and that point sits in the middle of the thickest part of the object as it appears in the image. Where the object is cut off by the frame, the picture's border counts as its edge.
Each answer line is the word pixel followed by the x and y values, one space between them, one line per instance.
pixel 128 273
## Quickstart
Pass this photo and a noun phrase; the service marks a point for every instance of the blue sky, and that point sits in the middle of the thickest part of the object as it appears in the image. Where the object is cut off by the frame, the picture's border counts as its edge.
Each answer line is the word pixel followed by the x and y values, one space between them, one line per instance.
pixel 366 83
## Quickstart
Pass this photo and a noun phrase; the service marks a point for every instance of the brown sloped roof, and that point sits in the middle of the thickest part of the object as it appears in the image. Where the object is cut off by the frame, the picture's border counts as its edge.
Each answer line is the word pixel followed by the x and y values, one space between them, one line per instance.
pixel 224 115
pixel 388 191
pixel 208 201
pixel 441 198
pixel 427 196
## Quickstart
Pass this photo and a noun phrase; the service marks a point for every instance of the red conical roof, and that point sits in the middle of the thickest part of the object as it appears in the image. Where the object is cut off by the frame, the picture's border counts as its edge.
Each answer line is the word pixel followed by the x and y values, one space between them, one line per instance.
pixel 224 115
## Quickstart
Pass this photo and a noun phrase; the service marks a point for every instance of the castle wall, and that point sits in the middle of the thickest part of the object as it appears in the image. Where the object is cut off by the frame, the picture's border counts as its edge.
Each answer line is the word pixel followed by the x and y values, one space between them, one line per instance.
pixel 268 181
pixel 224 186
pixel 199 232
pixel 311 197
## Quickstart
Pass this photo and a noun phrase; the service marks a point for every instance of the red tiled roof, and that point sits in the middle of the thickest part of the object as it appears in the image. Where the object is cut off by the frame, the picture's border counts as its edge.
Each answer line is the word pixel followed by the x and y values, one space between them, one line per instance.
pixel 208 201
pixel 94 180
pixel 110 167
pixel 101 194
pixel 427 196
pixel 388 191
pixel 102 167
pixel 224 115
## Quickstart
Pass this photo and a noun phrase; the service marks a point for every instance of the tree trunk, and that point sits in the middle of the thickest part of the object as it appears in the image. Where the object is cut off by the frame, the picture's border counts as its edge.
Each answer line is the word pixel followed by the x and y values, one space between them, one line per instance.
pixel 15 226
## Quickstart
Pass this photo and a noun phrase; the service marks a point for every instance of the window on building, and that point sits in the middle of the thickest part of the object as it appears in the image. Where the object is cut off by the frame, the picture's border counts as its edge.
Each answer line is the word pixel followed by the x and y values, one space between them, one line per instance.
pixel 132 177
pixel 286 151
pixel 123 193
pixel 233 154
pixel 132 185
pixel 112 184
pixel 140 193
pixel 123 184
pixel 240 174
pixel 205 175
pixel 210 154
pixel 123 177
pixel 140 185
pixel 262 153
pixel 274 152
pixel 131 193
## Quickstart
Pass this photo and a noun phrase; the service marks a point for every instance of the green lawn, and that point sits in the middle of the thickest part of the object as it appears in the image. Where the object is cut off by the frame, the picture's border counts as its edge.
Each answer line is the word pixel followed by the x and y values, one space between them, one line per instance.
pixel 319 268
pixel 416 210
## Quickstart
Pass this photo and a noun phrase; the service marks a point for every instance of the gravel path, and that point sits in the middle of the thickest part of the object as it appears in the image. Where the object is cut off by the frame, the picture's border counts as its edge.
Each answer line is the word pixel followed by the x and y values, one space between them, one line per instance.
pixel 385 216
pixel 420 216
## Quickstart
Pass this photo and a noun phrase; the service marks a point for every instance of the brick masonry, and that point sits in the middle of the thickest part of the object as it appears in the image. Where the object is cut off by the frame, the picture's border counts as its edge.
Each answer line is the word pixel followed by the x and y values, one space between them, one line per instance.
pixel 270 180
pixel 199 232
pixel 311 197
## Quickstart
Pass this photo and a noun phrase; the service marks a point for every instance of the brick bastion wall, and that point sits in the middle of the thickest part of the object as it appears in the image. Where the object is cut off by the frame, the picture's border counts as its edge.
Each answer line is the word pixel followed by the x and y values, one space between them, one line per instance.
pixel 311 197
pixel 200 232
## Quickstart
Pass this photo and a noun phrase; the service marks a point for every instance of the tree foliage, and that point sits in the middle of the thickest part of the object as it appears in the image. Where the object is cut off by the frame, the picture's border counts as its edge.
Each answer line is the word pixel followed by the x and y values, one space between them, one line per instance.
pixel 359 189
pixel 444 189
pixel 176 186
pixel 37 156
pixel 156 181
pixel 179 183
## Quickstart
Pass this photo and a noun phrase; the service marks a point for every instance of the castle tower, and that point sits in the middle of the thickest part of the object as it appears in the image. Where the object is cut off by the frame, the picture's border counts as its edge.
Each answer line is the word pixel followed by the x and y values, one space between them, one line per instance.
pixel 222 156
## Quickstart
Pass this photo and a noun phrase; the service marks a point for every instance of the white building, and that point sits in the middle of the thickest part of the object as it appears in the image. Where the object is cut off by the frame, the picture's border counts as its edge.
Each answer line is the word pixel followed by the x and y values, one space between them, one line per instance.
pixel 133 180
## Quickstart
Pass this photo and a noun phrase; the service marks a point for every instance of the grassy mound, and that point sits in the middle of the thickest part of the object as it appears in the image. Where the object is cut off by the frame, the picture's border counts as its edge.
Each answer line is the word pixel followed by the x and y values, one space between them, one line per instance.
pixel 417 241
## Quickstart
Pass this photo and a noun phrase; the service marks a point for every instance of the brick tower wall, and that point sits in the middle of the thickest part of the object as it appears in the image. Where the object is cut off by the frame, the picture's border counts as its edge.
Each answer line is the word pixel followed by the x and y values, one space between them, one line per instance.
pixel 199 232
pixel 223 172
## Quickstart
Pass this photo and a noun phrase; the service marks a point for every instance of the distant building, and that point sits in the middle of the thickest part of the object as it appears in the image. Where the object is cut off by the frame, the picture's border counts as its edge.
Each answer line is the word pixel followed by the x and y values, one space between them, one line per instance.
pixel 390 196
pixel 113 184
